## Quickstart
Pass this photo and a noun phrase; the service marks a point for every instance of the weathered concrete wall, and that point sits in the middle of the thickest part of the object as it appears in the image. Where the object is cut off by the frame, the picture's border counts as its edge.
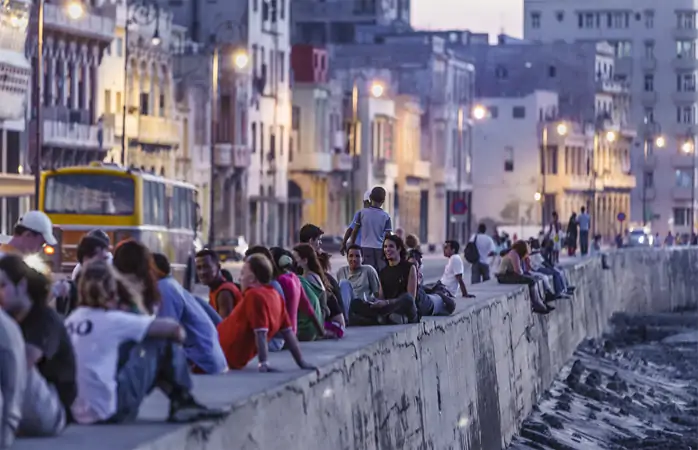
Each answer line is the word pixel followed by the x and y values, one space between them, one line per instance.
pixel 463 382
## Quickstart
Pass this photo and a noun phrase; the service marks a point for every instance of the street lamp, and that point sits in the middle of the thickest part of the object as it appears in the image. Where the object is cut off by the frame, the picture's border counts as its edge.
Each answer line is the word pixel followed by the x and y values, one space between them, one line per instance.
pixel 537 196
pixel 377 89
pixel 75 11
pixel 561 130
pixel 610 136
pixel 241 59
pixel 479 112
pixel 144 12
pixel 659 142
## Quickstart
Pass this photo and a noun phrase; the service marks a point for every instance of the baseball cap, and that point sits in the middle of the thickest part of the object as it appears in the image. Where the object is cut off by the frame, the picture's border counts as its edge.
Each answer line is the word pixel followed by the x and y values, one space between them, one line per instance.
pixel 367 196
pixel 38 222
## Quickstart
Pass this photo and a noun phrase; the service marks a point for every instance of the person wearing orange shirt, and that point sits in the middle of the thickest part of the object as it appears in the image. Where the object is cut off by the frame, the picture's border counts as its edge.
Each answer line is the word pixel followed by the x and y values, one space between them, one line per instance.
pixel 32 231
pixel 223 295
pixel 260 315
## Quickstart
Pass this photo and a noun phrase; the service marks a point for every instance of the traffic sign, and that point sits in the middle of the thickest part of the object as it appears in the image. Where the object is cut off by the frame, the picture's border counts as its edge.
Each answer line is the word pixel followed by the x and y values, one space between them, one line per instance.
pixel 621 217
pixel 459 207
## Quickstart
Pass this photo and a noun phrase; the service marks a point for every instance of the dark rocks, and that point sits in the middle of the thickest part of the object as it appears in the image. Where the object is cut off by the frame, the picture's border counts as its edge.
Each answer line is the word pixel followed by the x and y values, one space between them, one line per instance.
pixel 553 421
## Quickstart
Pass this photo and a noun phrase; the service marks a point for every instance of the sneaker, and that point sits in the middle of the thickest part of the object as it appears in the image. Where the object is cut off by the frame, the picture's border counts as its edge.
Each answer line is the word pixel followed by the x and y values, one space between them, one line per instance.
pixel 189 410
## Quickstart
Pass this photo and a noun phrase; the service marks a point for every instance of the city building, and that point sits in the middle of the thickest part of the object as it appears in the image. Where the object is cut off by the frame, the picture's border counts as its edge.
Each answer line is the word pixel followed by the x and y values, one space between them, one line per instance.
pixel 142 52
pixel 583 76
pixel 319 161
pixel 657 55
pixel 423 67
pixel 262 28
pixel 15 74
pixel 531 162
pixel 72 129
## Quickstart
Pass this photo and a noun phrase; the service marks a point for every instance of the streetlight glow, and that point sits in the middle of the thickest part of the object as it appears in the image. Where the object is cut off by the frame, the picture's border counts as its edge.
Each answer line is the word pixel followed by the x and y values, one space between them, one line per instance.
pixel 241 59
pixel 537 196
pixel 75 10
pixel 377 89
pixel 611 136
pixel 687 147
pixel 479 112
pixel 660 142
pixel 155 40
pixel 561 129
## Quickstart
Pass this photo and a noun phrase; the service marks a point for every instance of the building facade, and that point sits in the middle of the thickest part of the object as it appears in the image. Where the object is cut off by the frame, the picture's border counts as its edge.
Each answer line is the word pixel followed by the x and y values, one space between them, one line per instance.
pixel 15 74
pixel 543 163
pixel 657 55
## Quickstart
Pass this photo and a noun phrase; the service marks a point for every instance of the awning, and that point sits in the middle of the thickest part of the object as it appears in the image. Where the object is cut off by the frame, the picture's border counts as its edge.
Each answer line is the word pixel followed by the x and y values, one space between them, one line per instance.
pixel 15 185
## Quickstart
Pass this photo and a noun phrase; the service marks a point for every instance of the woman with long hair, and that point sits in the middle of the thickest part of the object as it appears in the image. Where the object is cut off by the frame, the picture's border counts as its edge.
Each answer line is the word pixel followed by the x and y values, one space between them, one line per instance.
pixel 111 387
pixel 511 271
pixel 135 263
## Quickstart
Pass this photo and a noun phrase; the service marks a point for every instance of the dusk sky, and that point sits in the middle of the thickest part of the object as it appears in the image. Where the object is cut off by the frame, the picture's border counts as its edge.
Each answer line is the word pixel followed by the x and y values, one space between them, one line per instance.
pixel 479 16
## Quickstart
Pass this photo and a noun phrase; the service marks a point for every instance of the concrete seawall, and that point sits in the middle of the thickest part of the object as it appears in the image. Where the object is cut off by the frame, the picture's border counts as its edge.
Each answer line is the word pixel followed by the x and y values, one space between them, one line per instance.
pixel 462 382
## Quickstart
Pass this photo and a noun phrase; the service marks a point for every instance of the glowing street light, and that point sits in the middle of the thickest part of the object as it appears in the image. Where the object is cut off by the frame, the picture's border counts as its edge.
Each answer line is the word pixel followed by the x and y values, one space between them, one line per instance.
pixel 537 196
pixel 660 142
pixel 610 136
pixel 561 129
pixel 75 10
pixel 479 112
pixel 377 89
pixel 155 40
pixel 241 59
pixel 687 147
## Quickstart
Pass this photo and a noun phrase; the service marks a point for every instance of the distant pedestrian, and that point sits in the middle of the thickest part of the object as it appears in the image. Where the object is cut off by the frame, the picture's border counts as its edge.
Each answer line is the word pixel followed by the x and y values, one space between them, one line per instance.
pixel 572 227
pixel 375 225
pixel 486 248
pixel 583 220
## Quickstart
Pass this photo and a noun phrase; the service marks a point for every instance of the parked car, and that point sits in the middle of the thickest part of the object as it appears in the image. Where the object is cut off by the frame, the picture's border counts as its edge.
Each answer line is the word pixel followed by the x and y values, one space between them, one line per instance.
pixel 639 237
pixel 231 249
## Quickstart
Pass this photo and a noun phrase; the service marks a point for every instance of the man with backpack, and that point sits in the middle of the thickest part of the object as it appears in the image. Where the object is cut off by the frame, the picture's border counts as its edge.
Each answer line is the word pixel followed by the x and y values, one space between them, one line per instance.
pixel 478 252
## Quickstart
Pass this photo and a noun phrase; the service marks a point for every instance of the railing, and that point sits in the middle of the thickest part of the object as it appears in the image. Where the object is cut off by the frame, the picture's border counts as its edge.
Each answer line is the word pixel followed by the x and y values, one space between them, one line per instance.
pixel 421 169
pixel 66 134
pixel 157 130
pixel 384 169
pixel 56 16
pixel 342 162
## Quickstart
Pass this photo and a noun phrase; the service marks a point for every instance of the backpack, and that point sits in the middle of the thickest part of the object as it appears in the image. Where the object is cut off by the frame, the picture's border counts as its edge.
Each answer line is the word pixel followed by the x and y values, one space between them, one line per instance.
pixel 471 253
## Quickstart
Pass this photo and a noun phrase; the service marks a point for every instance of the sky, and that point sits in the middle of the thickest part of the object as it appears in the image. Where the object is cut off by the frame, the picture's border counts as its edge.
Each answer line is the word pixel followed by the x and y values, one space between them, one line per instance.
pixel 490 16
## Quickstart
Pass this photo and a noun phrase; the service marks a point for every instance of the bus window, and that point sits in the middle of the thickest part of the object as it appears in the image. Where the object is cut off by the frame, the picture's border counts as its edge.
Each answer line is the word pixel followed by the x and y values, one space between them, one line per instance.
pixel 159 207
pixel 183 208
pixel 89 194
pixel 148 203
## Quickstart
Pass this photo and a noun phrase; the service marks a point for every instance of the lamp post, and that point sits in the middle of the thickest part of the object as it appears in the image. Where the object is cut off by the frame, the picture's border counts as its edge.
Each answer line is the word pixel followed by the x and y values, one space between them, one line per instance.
pixel 139 12
pixel 688 147
pixel 475 113
pixel 240 60
pixel 659 142
pixel 609 137
pixel 75 10
pixel 561 130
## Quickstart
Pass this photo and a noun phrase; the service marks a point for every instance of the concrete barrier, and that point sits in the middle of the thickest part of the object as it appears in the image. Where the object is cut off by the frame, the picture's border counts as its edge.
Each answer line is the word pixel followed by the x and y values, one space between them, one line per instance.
pixel 461 382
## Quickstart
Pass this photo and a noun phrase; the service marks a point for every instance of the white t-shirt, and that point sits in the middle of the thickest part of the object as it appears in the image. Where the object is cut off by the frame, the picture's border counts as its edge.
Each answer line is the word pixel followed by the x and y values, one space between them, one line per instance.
pixel 454 267
pixel 485 245
pixel 96 335
pixel 78 266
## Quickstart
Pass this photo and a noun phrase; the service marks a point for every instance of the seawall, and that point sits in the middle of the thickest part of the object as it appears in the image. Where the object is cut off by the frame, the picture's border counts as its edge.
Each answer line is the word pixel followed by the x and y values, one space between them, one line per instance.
pixel 461 382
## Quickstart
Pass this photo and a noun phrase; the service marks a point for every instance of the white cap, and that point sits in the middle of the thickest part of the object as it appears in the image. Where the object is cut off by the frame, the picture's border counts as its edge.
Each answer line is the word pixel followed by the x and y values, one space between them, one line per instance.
pixel 38 222
pixel 367 196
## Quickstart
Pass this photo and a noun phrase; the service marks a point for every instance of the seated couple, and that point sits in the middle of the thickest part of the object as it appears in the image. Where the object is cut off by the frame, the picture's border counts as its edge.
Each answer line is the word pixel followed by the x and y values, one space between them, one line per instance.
pixel 393 296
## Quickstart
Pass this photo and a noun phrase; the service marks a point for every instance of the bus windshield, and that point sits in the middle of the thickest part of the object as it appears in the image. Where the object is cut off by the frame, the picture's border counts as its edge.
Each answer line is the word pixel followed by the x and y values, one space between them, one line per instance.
pixel 89 194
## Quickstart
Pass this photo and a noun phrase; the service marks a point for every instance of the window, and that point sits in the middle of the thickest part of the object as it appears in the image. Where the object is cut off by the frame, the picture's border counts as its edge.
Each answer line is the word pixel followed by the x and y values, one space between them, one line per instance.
pixel 648 179
pixel 649 19
pixel 686 82
pixel 119 47
pixel 535 19
pixel 282 65
pixel 684 178
pixel 589 20
pixel 518 112
pixel 508 159
pixel 93 194
pixel 682 216
pixel 649 83
pixel 552 71
pixel 560 16
pixel 649 49
pixel 649 115
pixel 253 133
pixel 155 211
pixel 686 49
pixel 295 118
pixel 493 112
pixel 144 103
pixel 501 72
pixel 618 20
pixel 685 115
pixel 119 104
pixel 686 20
pixel 107 101
pixel 623 48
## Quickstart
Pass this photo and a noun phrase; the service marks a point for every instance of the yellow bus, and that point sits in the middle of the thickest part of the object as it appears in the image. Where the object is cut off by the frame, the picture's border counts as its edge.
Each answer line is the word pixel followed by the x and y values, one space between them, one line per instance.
pixel 125 203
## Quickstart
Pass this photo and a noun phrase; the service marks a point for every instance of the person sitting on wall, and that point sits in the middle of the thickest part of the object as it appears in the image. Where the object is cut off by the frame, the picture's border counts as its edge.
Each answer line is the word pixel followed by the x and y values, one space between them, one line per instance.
pixel 223 294
pixel 434 300
pixel 511 271
pixel 357 280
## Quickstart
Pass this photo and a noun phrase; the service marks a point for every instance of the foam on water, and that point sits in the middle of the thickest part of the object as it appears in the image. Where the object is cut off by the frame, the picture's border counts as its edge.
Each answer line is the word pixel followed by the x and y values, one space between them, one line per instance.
pixel 633 389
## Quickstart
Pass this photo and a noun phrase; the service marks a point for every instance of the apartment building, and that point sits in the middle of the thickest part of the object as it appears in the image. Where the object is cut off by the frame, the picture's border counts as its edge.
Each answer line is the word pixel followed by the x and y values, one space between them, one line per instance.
pixel 656 53
pixel 261 27
pixel 542 164
pixel 319 161
pixel 15 73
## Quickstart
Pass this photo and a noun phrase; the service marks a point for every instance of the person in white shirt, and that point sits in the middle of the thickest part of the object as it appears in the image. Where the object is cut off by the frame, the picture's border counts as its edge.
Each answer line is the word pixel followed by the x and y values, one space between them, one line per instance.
pixel 112 392
pixel 486 248
pixel 452 279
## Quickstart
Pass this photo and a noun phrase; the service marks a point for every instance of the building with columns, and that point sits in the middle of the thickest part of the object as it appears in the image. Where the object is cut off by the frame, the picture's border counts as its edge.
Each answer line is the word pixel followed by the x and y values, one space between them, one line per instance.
pixel 15 71
pixel 73 131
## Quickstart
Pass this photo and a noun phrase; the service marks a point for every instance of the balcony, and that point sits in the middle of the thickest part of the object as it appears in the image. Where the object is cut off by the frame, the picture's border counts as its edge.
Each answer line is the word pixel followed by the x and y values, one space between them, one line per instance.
pixel 619 181
pixel 624 66
pixel 420 169
pixel 157 131
pixel 562 183
pixel 89 25
pixel 648 98
pixel 685 97
pixel 685 34
pixel 313 162
pixel 77 135
pixel 685 62
pixel 342 162
pixel 648 64
pixel 16 185
pixel 232 156
pixel 443 175
pixel 384 169
pixel 681 193
pixel 681 159
pixel 612 87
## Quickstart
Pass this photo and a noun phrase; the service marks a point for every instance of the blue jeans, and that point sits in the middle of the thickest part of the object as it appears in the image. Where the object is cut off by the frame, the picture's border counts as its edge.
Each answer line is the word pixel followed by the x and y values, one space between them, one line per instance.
pixel 558 282
pixel 208 309
pixel 347 293
pixel 144 366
